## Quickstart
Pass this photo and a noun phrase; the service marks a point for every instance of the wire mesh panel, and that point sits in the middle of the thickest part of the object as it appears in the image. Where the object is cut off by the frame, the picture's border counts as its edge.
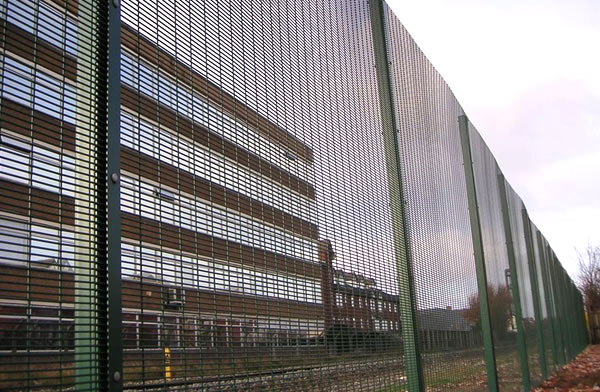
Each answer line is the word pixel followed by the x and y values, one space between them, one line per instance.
pixel 293 215
pixel 549 320
pixel 257 234
pixel 51 299
pixel 544 320
pixel 532 256
pixel 562 309
pixel 498 273
pixel 437 217
pixel 529 321
pixel 558 311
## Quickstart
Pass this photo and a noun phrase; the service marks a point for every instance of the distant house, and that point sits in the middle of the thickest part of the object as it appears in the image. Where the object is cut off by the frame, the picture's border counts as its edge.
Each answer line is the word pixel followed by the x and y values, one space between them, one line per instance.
pixel 353 300
pixel 443 329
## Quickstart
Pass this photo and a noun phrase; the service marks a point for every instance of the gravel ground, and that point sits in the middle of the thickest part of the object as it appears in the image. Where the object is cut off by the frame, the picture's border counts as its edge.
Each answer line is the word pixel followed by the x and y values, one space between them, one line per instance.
pixel 367 376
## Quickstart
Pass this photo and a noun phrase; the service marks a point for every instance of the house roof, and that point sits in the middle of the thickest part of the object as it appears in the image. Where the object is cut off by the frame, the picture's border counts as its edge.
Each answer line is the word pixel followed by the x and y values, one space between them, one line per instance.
pixel 443 320
pixel 365 292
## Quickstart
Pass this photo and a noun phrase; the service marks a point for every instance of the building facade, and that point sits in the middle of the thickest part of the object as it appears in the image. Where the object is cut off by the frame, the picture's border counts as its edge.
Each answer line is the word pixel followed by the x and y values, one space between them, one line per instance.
pixel 219 234
pixel 447 329
pixel 220 242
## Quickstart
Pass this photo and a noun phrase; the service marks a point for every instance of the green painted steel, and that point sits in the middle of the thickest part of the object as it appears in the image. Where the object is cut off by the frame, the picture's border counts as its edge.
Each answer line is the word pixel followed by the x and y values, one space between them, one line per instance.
pixel 562 318
pixel 535 292
pixel 490 358
pixel 549 289
pixel 559 296
pixel 408 307
pixel 559 312
pixel 115 307
pixel 548 338
pixel 89 234
pixel 516 296
pixel 234 196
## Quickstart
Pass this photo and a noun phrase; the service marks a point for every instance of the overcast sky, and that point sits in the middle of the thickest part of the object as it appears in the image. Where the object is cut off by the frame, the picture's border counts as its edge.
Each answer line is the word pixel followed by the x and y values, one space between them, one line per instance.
pixel 527 74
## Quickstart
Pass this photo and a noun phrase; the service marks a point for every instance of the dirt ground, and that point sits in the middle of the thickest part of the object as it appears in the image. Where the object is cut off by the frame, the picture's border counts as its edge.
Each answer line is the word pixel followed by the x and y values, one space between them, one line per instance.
pixel 582 374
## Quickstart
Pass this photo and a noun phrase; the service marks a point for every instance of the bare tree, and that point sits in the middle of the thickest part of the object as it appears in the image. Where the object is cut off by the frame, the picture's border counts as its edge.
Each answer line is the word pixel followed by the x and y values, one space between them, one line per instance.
pixel 499 305
pixel 589 276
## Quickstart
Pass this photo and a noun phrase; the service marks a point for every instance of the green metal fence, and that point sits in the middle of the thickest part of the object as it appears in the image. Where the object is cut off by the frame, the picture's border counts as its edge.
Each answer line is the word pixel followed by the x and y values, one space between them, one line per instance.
pixel 236 195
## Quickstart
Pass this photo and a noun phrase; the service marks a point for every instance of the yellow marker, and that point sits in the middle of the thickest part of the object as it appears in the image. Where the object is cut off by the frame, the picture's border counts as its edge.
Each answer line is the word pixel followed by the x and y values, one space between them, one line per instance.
pixel 167 363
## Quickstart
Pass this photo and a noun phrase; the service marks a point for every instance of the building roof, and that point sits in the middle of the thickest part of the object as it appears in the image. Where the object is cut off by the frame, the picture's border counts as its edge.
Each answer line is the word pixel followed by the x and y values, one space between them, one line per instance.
pixel 365 292
pixel 443 320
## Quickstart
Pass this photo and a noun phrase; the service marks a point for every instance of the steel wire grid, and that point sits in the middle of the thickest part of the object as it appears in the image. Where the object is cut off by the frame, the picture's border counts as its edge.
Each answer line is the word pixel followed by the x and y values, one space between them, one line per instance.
pixel 257 232
pixel 437 216
pixel 529 320
pixel 249 196
pixel 52 254
pixel 499 275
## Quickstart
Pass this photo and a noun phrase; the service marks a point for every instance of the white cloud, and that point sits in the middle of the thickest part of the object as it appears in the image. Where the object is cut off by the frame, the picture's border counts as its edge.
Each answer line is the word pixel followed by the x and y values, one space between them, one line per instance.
pixel 527 75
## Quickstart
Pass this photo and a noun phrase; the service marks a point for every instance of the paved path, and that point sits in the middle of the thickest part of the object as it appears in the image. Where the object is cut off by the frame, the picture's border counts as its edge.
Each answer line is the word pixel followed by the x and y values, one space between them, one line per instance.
pixel 582 374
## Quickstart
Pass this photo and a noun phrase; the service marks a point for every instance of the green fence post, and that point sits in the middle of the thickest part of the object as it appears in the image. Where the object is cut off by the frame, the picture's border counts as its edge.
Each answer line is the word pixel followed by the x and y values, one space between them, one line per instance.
pixel 559 311
pixel 533 277
pixel 88 174
pixel 514 282
pixel 115 343
pixel 490 359
pixel 408 307
pixel 564 312
pixel 584 332
pixel 573 316
pixel 555 324
pixel 582 336
pixel 547 288
pixel 580 317
pixel 569 309
pixel 567 313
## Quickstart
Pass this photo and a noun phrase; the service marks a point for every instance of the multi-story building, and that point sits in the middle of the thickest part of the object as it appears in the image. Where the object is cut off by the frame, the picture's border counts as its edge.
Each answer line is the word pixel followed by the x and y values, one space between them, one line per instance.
pixel 217 205
pixel 446 329
pixel 358 315
pixel 354 300
pixel 219 234
pixel 220 243
pixel 360 304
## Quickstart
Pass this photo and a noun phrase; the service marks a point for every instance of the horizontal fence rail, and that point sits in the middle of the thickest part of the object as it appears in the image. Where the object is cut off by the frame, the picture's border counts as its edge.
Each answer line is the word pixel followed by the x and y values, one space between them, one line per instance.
pixel 225 196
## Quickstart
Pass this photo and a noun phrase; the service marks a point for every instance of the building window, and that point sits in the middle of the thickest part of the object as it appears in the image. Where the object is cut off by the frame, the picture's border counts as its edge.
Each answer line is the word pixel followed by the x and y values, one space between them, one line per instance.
pixel 14 239
pixel 36 89
pixel 36 329
pixel 148 328
pixel 170 331
pixel 339 300
pixel 188 332
pixel 206 337
pixel 52 26
pixel 130 331
pixel 146 263
pixel 39 167
pixel 22 242
pixel 17 82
